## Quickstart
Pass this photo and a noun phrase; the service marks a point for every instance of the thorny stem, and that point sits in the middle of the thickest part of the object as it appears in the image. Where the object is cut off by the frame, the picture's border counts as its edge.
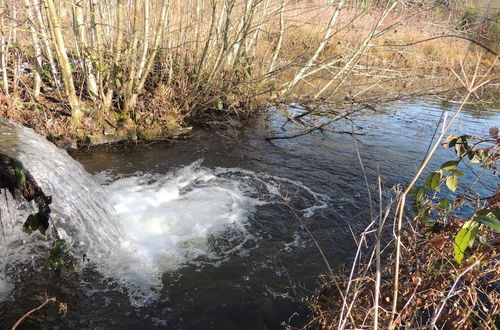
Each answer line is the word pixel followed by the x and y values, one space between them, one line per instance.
pixel 401 205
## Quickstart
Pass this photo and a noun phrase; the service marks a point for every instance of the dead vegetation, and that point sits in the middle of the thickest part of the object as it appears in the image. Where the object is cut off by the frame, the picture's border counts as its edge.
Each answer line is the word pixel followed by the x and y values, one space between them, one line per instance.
pixel 63 309
pixel 85 69
pixel 424 268
pixel 433 291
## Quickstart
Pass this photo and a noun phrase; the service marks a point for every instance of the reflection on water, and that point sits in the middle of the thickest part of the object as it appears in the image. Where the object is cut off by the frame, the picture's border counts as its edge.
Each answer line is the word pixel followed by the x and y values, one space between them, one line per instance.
pixel 240 181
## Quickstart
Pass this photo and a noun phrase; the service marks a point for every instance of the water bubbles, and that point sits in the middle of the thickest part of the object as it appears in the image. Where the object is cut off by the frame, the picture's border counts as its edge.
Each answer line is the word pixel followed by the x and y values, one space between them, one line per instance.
pixel 193 215
pixel 6 287
pixel 134 229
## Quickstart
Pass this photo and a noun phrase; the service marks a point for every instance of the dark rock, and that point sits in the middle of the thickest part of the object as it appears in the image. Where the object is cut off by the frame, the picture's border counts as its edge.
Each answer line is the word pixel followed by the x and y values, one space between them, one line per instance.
pixel 15 178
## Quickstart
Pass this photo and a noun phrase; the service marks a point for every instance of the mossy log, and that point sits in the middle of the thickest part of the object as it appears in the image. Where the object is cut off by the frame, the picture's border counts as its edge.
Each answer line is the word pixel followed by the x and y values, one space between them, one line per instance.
pixel 15 179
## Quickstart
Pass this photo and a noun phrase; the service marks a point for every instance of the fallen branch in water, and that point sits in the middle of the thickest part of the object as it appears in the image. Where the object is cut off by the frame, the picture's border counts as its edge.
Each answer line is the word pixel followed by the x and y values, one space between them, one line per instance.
pixel 319 127
pixel 349 132
pixel 63 308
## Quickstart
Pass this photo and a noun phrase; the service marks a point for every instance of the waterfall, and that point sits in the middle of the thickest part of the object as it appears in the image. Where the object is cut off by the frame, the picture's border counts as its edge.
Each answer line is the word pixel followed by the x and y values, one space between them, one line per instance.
pixel 133 228
pixel 81 214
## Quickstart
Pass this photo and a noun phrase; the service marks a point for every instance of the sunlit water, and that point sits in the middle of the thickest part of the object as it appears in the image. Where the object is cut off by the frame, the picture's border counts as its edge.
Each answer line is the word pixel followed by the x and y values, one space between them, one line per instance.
pixel 203 233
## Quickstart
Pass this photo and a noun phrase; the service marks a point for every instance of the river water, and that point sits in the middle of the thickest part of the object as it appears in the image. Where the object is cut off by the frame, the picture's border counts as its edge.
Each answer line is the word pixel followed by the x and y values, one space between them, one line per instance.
pixel 212 229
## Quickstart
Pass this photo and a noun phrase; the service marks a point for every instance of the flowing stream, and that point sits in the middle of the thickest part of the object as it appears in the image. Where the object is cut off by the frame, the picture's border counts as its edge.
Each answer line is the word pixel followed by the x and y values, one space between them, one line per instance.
pixel 206 232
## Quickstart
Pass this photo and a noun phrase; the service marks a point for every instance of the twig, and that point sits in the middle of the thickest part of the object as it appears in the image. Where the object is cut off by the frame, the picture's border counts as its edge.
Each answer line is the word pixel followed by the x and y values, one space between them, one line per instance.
pixel 342 320
pixel 439 37
pixel 451 291
pixel 48 300
pixel 334 119
pixel 377 261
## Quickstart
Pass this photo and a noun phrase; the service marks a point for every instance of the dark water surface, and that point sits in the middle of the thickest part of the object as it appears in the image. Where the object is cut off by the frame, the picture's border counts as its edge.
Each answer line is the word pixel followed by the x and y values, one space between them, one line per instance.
pixel 262 286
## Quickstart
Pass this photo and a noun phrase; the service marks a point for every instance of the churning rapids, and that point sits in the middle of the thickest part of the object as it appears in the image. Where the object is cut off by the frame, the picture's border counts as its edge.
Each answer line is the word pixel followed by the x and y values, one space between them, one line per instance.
pixel 205 232
pixel 134 228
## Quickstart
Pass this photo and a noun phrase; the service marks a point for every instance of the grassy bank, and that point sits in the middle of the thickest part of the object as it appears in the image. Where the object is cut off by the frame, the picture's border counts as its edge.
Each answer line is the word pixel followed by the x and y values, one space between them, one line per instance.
pixel 93 71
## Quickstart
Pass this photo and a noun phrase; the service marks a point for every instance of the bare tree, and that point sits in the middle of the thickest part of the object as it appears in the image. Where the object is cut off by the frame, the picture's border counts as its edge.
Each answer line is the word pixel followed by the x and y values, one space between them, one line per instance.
pixel 63 60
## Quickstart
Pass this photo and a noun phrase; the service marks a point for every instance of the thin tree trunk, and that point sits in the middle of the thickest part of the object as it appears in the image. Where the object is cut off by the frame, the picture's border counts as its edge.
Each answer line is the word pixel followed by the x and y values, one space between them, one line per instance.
pixel 90 79
pixel 279 43
pixel 209 37
pixel 130 84
pixel 199 20
pixel 117 53
pixel 239 32
pixel 64 63
pixel 131 102
pixel 321 46
pixel 218 28
pixel 354 58
pixel 37 48
pixel 97 47
pixel 3 50
pixel 244 33
pixel 146 39
pixel 259 27
pixel 42 30
pixel 13 38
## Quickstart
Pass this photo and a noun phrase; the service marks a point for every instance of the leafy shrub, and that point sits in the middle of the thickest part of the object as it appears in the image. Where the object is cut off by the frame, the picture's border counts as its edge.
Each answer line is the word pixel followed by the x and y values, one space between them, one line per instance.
pixel 485 216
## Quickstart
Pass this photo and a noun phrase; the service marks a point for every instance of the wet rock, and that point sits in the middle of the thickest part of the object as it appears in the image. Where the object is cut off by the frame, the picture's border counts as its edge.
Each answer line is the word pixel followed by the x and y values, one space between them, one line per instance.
pixel 16 179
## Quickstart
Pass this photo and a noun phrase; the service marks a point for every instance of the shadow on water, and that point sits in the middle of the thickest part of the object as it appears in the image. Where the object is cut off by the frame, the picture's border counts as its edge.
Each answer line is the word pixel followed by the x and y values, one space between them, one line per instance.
pixel 260 284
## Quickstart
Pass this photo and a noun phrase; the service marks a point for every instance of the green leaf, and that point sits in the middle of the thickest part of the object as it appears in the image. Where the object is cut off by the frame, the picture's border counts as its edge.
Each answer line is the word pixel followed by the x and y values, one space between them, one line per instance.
pixel 449 166
pixel 452 182
pixel 450 141
pixel 465 238
pixel 20 177
pixel 489 221
pixel 461 146
pixel 428 222
pixel 220 106
pixel 38 221
pixel 419 193
pixel 444 203
pixel 56 255
pixel 457 172
pixel 475 157
pixel 432 180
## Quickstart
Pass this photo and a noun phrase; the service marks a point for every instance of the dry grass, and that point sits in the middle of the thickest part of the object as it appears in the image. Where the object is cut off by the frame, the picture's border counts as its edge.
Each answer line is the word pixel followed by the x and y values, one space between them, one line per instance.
pixel 468 295
pixel 416 280
pixel 180 92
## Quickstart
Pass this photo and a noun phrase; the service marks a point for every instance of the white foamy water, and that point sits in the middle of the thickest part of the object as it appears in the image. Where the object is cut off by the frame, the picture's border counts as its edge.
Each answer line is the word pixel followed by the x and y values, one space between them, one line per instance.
pixel 194 215
pixel 133 229
pixel 171 219
pixel 80 212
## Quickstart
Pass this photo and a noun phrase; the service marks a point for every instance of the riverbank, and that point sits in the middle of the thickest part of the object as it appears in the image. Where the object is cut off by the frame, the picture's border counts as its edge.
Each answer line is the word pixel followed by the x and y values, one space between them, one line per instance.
pixel 260 283
pixel 220 64
pixel 433 289
pixel 430 255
